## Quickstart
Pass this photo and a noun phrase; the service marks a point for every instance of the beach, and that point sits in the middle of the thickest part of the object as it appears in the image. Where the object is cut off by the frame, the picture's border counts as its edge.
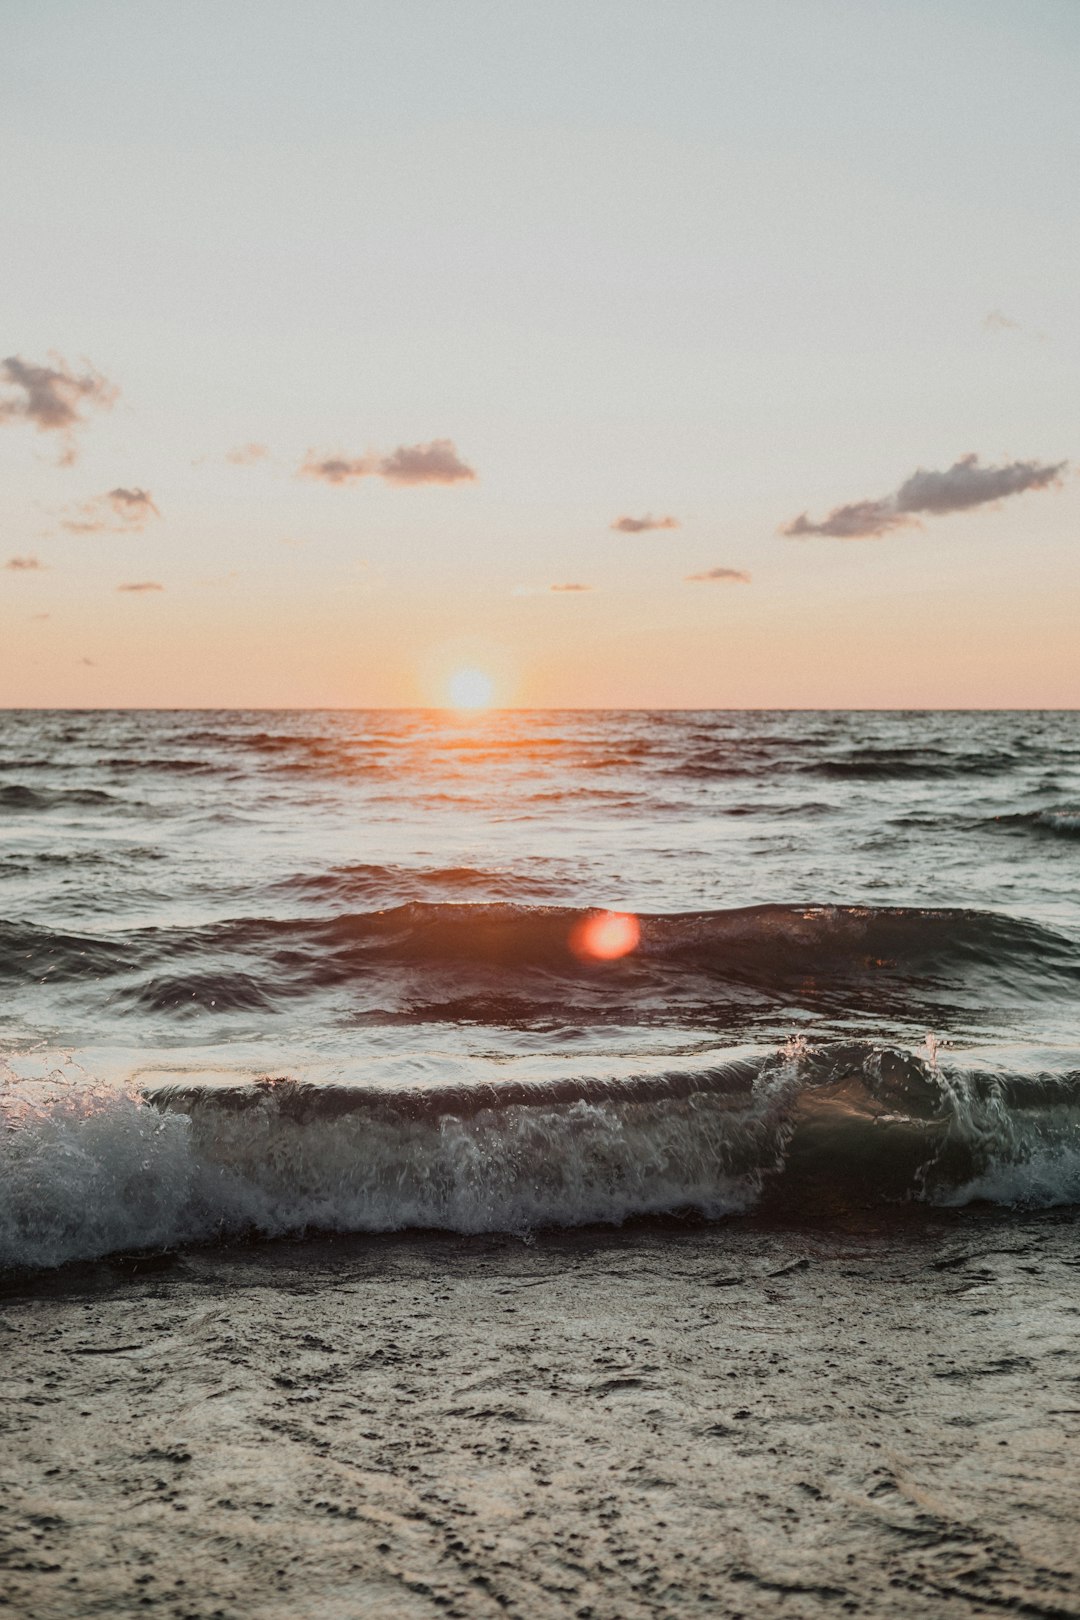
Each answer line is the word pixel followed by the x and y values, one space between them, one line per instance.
pixel 878 1417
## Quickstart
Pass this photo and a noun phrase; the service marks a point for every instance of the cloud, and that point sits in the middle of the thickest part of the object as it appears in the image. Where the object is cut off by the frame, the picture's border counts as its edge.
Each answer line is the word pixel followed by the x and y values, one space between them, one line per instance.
pixel 727 576
pixel 132 505
pixel 118 511
pixel 959 488
pixel 966 484
pixel 53 397
pixel 337 469
pixel 25 565
pixel 859 520
pixel 142 585
pixel 434 463
pixel 998 321
pixel 641 525
pixel 246 455
pixel 569 587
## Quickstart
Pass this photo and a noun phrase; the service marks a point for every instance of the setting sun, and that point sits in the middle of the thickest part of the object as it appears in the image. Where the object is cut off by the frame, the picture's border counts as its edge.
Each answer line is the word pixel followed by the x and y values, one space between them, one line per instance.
pixel 470 689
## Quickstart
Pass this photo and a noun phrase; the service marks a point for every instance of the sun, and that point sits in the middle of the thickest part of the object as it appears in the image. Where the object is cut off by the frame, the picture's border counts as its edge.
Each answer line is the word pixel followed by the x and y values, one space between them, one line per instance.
pixel 470 689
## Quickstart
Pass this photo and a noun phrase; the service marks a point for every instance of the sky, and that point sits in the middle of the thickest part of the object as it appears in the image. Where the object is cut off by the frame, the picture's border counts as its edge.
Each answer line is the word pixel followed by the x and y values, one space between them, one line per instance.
pixel 704 354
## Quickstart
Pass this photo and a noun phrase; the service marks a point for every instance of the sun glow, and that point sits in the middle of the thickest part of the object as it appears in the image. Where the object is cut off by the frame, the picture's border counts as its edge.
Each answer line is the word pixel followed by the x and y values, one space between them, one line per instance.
pixel 470 689
pixel 605 936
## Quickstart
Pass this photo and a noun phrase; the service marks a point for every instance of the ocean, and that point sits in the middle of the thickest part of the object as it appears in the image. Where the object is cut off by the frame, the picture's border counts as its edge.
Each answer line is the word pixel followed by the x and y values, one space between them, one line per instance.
pixel 270 973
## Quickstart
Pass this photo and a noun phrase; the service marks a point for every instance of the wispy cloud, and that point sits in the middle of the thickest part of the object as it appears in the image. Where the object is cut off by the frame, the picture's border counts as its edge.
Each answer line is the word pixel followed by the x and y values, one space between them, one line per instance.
pixel 246 455
pixel 142 585
pixel 998 321
pixel 723 576
pixel 434 463
pixel 118 511
pixel 642 525
pixel 959 488
pixel 53 398
pixel 570 587
pixel 25 565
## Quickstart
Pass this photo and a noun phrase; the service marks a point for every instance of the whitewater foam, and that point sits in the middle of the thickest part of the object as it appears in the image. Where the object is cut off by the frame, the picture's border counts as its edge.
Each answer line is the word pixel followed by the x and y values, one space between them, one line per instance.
pixel 90 1169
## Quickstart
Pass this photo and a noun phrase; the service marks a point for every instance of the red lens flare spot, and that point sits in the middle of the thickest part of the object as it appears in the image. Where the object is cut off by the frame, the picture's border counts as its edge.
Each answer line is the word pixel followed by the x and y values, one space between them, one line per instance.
pixel 605 936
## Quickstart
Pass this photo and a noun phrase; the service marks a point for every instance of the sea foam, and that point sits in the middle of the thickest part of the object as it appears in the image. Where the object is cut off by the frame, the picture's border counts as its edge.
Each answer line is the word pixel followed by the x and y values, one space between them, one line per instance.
pixel 89 1169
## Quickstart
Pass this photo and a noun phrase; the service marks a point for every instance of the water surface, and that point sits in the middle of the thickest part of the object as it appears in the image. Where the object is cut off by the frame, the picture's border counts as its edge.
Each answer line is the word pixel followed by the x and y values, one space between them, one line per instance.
pixel 324 968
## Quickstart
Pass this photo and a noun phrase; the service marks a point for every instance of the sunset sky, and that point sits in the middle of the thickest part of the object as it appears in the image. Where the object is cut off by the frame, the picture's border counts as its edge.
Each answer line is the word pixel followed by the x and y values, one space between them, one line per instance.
pixel 633 354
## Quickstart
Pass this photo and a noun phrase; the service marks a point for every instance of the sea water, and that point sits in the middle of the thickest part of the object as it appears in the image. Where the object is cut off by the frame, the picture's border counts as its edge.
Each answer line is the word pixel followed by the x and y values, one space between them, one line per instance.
pixel 269 972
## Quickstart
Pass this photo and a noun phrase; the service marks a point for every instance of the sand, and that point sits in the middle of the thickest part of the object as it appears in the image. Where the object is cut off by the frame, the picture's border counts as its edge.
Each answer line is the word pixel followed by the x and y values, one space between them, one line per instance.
pixel 668 1420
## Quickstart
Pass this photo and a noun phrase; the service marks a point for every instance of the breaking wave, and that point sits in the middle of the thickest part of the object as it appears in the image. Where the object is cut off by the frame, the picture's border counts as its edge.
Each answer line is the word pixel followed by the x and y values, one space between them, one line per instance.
pixel 1061 823
pixel 90 1170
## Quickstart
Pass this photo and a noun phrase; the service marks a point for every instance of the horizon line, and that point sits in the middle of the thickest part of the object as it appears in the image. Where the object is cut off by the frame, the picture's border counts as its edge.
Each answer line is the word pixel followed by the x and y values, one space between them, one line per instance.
pixel 535 708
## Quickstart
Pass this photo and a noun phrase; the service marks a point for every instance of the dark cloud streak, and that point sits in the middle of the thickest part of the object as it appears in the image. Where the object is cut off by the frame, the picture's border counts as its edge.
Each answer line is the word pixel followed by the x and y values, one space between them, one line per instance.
pixel 959 488
pixel 337 469
pixel 435 463
pixel 642 525
pixel 725 576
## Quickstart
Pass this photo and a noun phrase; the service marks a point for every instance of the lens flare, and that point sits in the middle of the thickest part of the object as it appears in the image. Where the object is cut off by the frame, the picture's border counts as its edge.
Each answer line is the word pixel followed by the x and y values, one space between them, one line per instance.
pixel 470 689
pixel 605 936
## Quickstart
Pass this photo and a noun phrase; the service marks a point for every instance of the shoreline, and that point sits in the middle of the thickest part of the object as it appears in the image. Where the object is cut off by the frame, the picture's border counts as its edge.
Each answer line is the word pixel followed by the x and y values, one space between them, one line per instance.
pixel 741 1418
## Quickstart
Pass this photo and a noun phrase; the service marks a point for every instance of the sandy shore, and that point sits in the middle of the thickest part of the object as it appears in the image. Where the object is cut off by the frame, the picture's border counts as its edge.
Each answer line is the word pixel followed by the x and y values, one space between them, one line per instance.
pixel 721 1420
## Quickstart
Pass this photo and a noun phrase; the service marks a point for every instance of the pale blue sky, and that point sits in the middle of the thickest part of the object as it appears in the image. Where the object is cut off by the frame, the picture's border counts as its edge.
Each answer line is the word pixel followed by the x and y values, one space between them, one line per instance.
pixel 729 261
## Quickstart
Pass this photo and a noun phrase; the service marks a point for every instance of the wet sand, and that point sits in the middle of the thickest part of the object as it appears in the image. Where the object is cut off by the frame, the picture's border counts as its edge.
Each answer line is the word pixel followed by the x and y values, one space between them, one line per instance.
pixel 662 1421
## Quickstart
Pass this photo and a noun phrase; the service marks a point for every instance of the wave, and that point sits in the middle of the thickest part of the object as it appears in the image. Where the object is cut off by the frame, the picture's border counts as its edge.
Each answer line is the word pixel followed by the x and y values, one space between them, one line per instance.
pixel 883 764
pixel 29 952
pixel 172 763
pixel 750 757
pixel 17 796
pixel 1061 823
pixel 186 993
pixel 763 807
pixel 487 960
pixel 89 1170
pixel 760 944
pixel 401 884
